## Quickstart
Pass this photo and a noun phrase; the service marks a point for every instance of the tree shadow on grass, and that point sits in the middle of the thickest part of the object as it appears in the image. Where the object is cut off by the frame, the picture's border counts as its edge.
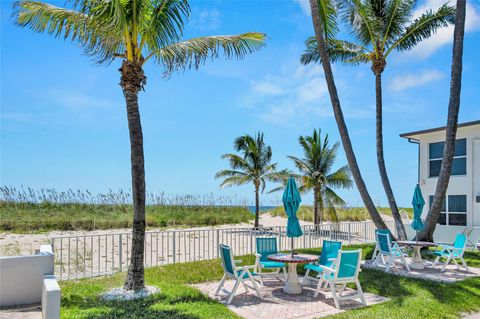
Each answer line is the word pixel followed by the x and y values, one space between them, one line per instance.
pixel 156 306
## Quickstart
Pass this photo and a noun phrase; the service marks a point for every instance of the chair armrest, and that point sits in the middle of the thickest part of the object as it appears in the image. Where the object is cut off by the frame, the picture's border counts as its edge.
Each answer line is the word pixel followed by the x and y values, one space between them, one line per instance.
pixel 327 269
pixel 332 259
pixel 245 267
pixel 51 296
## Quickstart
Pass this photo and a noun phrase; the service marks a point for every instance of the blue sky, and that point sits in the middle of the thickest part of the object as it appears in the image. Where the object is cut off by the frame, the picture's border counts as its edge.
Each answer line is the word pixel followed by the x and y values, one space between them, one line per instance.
pixel 63 119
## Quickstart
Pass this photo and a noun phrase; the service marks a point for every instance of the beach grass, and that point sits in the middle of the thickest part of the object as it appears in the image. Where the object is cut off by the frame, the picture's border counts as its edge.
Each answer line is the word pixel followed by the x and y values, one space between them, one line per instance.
pixel 42 217
pixel 409 298
pixel 305 213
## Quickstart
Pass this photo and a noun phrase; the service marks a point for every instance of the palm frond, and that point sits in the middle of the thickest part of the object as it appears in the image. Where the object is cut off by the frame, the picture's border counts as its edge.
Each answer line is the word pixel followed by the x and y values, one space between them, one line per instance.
pixel 338 51
pixel 95 35
pixel 360 15
pixel 397 14
pixel 328 16
pixel 423 27
pixel 229 173
pixel 163 24
pixel 341 178
pixel 235 181
pixel 194 52
pixel 238 162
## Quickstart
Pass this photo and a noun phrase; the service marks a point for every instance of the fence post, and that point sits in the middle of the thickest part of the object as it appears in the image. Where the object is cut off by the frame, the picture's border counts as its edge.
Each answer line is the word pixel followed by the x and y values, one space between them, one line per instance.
pixel 120 249
pixel 365 232
pixel 349 233
pixel 174 246
pixel 279 230
pixel 251 241
pixel 218 242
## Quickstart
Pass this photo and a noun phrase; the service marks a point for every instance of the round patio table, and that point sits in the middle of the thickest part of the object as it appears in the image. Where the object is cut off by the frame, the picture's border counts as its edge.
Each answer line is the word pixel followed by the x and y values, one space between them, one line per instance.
pixel 292 284
pixel 417 261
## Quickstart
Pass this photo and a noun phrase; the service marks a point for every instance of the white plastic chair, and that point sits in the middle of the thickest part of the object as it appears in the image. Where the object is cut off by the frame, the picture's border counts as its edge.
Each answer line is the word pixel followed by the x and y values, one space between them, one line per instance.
pixel 344 270
pixel 239 273
pixel 389 252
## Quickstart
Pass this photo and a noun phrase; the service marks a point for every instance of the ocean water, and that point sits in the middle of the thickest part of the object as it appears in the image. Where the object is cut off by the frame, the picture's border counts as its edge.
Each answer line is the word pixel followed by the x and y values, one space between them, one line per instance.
pixel 261 208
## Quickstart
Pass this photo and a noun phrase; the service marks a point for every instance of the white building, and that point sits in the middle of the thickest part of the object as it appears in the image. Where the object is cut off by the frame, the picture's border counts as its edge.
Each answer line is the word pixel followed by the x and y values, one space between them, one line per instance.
pixel 462 201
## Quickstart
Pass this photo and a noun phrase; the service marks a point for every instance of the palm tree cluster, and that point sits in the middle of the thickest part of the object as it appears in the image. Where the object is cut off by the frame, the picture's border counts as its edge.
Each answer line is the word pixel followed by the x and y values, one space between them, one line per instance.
pixel 253 165
pixel 378 28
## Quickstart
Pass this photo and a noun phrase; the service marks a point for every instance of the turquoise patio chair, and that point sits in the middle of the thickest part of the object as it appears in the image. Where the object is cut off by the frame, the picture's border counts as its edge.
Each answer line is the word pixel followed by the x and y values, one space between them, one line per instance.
pixel 344 270
pixel 389 252
pixel 268 246
pixel 329 253
pixel 238 273
pixel 452 252
pixel 377 249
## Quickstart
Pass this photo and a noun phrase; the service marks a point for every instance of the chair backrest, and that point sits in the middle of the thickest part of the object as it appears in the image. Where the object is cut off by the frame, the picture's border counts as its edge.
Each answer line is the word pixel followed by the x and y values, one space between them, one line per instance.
pixel 330 249
pixel 227 260
pixel 460 241
pixel 348 264
pixel 384 231
pixel 266 246
pixel 384 244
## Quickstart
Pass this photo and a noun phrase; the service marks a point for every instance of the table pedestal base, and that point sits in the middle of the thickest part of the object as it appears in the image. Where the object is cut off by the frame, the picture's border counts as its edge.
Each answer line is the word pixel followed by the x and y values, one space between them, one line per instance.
pixel 417 261
pixel 292 285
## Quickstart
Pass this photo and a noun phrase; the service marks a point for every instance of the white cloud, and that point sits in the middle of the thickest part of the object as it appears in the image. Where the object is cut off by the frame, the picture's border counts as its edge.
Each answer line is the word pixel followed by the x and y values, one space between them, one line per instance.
pixel 443 36
pixel 207 19
pixel 406 81
pixel 305 5
pixel 74 99
pixel 266 88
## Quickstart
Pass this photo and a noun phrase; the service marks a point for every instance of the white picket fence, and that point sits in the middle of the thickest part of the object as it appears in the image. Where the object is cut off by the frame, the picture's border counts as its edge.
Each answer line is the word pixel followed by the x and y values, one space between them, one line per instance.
pixel 108 253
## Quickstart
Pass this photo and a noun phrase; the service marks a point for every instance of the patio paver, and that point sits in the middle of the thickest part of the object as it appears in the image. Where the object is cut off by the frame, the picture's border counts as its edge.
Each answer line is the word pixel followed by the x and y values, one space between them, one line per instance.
pixel 451 274
pixel 22 312
pixel 277 304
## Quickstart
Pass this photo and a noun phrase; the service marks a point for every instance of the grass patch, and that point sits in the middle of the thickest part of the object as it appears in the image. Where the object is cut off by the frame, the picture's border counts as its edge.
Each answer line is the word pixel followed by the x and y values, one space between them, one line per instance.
pixel 347 214
pixel 27 217
pixel 410 298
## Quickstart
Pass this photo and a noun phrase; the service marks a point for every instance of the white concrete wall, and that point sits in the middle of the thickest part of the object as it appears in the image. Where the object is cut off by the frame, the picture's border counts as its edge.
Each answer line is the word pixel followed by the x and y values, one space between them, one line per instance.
pixel 446 234
pixel 21 277
pixel 468 184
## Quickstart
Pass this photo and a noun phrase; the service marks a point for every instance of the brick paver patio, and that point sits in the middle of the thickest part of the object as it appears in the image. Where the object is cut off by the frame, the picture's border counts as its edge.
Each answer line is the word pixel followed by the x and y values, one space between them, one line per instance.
pixel 276 304
pixel 451 274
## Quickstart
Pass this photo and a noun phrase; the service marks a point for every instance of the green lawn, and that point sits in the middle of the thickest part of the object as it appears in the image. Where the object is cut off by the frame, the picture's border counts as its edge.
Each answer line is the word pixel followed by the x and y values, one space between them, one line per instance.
pixel 23 217
pixel 410 298
pixel 305 212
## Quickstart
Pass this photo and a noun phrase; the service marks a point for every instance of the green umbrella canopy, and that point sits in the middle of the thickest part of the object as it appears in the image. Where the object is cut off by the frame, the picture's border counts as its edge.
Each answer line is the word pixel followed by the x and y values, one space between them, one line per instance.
pixel 418 202
pixel 291 201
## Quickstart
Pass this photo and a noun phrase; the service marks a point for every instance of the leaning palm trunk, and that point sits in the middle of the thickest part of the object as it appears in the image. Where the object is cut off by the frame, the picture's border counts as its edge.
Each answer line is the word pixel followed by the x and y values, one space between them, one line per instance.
pixel 380 158
pixel 342 127
pixel 452 122
pixel 132 82
pixel 316 207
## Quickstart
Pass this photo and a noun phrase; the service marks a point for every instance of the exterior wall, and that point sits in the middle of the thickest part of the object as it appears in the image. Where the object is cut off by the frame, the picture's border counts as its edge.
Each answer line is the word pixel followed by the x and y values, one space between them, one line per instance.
pixel 468 184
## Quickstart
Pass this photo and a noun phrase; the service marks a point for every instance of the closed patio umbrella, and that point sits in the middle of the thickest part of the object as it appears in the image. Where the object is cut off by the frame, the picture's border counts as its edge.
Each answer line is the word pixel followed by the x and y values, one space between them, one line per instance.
pixel 291 201
pixel 418 202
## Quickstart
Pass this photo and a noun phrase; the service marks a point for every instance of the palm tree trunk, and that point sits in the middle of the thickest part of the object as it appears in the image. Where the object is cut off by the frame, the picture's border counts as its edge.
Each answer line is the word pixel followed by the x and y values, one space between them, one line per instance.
pixel 401 234
pixel 257 206
pixel 316 205
pixel 342 127
pixel 452 122
pixel 132 82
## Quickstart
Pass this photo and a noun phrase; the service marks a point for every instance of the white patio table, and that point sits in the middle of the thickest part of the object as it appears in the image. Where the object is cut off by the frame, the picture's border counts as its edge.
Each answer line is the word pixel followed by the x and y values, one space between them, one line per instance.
pixel 292 285
pixel 417 261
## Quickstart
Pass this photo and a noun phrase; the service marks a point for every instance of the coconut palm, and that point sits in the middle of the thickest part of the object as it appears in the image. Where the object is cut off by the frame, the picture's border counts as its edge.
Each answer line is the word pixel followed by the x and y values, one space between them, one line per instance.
pixel 452 123
pixel 135 32
pixel 324 24
pixel 253 165
pixel 316 175
pixel 379 27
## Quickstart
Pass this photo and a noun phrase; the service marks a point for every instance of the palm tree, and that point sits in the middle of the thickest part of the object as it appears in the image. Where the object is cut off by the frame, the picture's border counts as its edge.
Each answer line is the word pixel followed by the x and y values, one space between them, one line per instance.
pixel 316 175
pixel 452 123
pixel 135 31
pixel 252 166
pixel 379 27
pixel 324 24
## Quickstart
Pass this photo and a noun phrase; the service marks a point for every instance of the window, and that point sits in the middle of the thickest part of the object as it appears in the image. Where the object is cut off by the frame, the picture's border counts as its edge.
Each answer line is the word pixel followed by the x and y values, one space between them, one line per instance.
pixel 459 164
pixel 456 215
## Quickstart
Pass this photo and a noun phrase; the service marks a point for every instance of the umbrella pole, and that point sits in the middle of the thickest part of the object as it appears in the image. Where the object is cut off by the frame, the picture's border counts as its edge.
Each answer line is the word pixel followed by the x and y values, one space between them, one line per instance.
pixel 292 247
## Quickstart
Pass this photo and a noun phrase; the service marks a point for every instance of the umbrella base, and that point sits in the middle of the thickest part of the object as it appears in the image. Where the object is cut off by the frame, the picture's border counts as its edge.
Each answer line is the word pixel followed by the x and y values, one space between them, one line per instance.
pixel 292 285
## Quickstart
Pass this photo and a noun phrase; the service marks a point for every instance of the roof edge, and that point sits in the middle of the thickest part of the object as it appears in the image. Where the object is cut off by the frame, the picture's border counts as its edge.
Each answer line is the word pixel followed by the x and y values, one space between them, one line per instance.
pixel 436 129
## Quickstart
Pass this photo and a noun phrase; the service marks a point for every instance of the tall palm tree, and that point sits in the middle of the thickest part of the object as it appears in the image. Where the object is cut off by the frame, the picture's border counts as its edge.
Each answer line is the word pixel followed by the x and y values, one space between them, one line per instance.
pixel 253 165
pixel 379 27
pixel 316 175
pixel 324 24
pixel 136 32
pixel 452 123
